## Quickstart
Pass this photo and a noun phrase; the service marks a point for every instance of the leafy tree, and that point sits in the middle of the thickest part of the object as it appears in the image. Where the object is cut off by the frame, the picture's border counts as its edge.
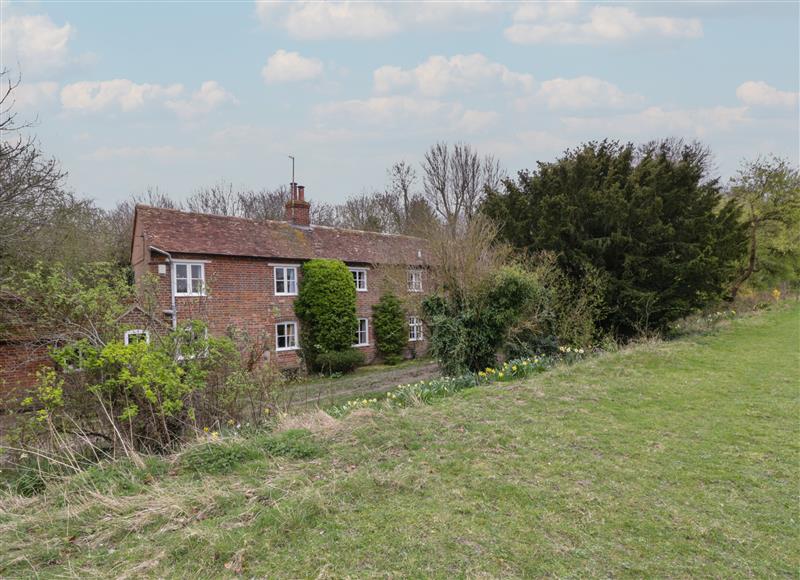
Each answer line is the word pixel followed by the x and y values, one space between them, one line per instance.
pixel 389 324
pixel 650 220
pixel 326 307
pixel 768 191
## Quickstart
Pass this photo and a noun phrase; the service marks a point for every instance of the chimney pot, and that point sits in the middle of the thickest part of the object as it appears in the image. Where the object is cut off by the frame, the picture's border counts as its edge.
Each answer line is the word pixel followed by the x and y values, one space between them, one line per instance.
pixel 301 189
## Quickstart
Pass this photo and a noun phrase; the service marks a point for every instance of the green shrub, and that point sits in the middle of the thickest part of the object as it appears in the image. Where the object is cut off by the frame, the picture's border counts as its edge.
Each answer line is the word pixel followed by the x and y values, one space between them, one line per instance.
pixel 294 443
pixel 29 483
pixel 216 457
pixel 389 326
pixel 326 307
pixel 562 311
pixel 466 333
pixel 339 361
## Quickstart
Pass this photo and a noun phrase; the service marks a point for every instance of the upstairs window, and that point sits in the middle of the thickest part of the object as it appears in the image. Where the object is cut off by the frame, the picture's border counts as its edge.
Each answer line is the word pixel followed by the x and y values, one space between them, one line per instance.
pixel 136 336
pixel 190 279
pixel 360 278
pixel 415 280
pixel 286 336
pixel 414 329
pixel 285 280
pixel 362 334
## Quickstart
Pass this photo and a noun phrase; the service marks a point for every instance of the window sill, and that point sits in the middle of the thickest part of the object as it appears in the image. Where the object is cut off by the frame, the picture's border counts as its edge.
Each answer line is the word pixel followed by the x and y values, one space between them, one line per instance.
pixel 288 349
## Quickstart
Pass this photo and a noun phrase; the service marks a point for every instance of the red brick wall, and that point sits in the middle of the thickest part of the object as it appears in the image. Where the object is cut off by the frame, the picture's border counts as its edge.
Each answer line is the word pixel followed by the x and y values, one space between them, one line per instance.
pixel 18 365
pixel 241 295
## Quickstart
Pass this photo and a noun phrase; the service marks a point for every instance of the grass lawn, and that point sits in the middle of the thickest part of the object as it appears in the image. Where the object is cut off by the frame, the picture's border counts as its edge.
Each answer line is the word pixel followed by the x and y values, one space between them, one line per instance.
pixel 667 459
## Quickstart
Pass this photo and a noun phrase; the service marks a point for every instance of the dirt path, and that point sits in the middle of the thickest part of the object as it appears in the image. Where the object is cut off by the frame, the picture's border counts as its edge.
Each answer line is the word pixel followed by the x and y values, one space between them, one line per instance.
pixel 323 392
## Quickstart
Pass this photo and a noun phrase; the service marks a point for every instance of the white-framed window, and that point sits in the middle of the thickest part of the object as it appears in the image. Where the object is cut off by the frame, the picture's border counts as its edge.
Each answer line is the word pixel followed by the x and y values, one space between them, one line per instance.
pixel 414 329
pixel 137 335
pixel 286 336
pixel 189 278
pixel 415 280
pixel 362 334
pixel 360 278
pixel 285 280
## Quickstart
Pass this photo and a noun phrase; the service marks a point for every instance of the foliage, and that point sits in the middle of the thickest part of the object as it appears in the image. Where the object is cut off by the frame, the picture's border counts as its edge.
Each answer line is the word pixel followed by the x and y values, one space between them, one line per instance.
pixel 427 391
pixel 703 430
pixel 389 327
pixel 768 191
pixel 466 332
pixel 650 220
pixel 326 307
pixel 339 361
pixel 220 457
pixel 292 443
pixel 139 395
pixel 563 311
pixel 55 304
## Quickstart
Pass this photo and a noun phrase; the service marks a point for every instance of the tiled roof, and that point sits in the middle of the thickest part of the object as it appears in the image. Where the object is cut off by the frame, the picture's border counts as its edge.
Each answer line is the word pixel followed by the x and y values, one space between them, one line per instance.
pixel 198 233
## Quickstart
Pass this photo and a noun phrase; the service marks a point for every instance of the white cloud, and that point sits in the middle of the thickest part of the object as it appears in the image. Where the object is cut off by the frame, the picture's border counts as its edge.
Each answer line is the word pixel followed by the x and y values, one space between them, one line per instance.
pixel 583 93
pixel 121 94
pixel 318 20
pixel 36 42
pixel 568 24
pixel 760 94
pixel 439 75
pixel 34 95
pixel 286 67
pixel 659 121
pixel 157 153
pixel 126 96
pixel 368 20
pixel 403 111
pixel 210 96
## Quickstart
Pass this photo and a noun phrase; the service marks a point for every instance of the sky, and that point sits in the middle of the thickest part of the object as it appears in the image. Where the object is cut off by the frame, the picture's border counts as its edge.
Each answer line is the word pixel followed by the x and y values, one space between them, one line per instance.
pixel 183 95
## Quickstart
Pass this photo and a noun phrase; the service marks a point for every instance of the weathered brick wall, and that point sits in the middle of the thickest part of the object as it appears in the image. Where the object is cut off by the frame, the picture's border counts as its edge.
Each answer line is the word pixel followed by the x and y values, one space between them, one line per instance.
pixel 241 295
pixel 19 362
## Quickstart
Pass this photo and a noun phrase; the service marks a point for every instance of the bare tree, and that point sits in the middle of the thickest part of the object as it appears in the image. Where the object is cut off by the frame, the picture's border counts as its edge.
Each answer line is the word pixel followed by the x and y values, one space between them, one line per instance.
pixel 466 173
pixel 324 214
pixel 436 183
pixel 455 181
pixel 265 204
pixel 493 173
pixel 219 199
pixel 31 184
pixel 401 179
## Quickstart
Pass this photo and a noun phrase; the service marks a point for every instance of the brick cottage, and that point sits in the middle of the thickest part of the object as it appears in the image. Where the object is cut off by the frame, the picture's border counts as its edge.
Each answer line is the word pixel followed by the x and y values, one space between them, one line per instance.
pixel 242 274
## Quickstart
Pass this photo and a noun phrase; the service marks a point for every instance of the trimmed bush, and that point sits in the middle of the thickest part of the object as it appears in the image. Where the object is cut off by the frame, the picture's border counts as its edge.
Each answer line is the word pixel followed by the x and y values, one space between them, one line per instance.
pixel 389 324
pixel 342 361
pixel 326 307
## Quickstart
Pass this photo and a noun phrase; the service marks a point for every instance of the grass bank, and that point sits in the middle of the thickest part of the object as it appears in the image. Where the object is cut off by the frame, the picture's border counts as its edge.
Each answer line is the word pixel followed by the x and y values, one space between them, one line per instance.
pixel 667 459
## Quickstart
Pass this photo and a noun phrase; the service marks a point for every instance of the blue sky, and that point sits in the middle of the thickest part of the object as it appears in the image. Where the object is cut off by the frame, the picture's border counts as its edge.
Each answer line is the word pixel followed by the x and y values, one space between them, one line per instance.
pixel 182 95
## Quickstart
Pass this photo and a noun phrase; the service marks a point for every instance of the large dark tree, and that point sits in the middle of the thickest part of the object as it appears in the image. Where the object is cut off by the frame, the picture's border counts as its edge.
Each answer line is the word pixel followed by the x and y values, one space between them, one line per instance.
pixel 651 219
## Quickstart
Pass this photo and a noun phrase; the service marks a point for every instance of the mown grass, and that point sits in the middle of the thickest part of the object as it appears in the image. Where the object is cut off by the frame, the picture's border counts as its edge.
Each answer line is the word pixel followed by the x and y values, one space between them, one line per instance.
pixel 667 459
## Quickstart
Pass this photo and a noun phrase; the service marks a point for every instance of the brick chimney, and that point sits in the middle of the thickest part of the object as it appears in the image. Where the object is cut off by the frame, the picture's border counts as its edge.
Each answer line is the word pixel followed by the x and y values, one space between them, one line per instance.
pixel 298 210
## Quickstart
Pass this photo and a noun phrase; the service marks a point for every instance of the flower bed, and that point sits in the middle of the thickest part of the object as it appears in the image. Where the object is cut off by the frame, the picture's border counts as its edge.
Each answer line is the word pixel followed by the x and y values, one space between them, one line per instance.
pixel 427 391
